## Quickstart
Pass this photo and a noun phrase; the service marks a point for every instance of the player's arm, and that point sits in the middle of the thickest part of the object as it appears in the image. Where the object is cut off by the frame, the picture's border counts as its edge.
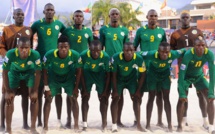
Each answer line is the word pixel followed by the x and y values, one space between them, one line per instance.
pixel 178 53
pixel 46 63
pixel 3 48
pixel 83 83
pixel 137 39
pixel 183 69
pixel 211 74
pixel 126 39
pixel 147 55
pixel 114 77
pixel 90 38
pixel 107 75
pixel 38 68
pixel 164 37
pixel 173 42
pixel 102 37
pixel 63 28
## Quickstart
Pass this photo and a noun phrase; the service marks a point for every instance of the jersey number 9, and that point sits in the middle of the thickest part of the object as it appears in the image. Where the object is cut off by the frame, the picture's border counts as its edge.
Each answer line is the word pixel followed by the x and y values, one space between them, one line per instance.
pixel 152 38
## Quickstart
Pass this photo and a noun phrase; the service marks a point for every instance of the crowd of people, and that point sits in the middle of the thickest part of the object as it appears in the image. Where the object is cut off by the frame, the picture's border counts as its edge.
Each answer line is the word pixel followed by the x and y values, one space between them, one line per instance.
pixel 74 61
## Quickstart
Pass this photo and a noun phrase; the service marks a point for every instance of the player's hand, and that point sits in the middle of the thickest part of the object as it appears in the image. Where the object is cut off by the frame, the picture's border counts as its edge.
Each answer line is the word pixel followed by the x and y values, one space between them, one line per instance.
pixel 34 96
pixel 9 96
pixel 183 99
pixel 75 93
pixel 47 94
pixel 114 94
pixel 210 99
pixel 137 94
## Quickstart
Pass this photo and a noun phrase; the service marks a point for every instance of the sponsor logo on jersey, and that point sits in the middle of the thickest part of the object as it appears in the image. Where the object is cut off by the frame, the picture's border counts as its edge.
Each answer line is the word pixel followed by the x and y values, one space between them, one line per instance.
pixel 159 36
pixel 183 67
pixel 29 62
pixel 37 61
pixel 194 32
pixel 6 59
pixel 42 28
pixel 70 62
pixel 100 64
pixel 170 61
pixel 86 35
pixel 122 33
pixel 145 35
pixel 192 61
pixel 57 27
pixel 27 32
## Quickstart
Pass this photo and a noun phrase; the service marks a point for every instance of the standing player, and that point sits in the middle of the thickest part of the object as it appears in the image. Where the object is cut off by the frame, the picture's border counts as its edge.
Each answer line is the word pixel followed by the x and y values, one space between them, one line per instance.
pixel 191 73
pixel 149 37
pixel 10 37
pixel 79 39
pixel 126 66
pixel 95 71
pixel 182 38
pixel 58 73
pixel 47 30
pixel 21 63
pixel 112 37
pixel 158 74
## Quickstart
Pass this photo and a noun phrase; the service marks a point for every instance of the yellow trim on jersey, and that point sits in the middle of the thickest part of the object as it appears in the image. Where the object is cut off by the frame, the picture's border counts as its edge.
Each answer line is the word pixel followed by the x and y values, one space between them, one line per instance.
pixel 170 54
pixel 88 53
pixel 144 27
pixel 85 27
pixel 101 54
pixel 70 53
pixel 141 69
pixel 192 50
pixel 16 52
pixel 72 27
pixel 107 25
pixel 121 57
pixel 55 53
pixel 206 50
pixel 41 20
pixel 29 52
pixel 156 54
pixel 120 26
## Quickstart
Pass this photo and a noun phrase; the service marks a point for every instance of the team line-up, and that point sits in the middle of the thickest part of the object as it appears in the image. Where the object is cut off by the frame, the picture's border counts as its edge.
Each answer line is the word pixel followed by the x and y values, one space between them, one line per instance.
pixel 75 61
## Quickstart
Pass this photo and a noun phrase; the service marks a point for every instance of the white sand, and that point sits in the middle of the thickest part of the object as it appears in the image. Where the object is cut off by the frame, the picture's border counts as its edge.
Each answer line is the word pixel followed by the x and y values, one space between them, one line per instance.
pixel 94 117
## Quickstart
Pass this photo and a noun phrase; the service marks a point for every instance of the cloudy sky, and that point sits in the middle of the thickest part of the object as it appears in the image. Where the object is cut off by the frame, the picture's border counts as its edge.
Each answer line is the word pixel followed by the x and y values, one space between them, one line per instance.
pixel 72 5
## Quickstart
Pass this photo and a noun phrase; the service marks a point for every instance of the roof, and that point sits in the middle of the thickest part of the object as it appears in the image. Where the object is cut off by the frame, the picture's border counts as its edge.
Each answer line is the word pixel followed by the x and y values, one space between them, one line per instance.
pixel 196 2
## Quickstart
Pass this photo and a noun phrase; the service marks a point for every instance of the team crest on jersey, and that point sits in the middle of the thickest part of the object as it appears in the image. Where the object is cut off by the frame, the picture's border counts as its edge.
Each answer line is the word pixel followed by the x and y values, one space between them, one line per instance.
pixel 100 64
pixel 159 36
pixel 27 32
pixel 194 32
pixel 122 33
pixel 29 62
pixel 6 59
pixel 135 66
pixel 183 67
pixel 70 62
pixel 57 27
pixel 86 35
pixel 37 62
pixel 170 61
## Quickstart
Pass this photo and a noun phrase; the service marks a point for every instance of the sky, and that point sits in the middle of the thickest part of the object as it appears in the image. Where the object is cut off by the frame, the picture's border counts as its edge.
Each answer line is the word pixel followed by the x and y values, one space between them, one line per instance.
pixel 72 5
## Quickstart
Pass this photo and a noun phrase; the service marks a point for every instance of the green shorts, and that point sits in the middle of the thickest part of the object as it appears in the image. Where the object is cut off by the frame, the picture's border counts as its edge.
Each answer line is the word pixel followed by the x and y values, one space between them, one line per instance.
pixel 129 82
pixel 200 82
pixel 97 78
pixel 56 82
pixel 158 81
pixel 15 78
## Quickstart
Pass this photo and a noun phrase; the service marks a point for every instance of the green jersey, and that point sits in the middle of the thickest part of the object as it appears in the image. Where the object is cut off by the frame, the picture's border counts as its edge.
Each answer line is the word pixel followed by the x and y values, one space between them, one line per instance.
pixel 47 34
pixel 149 39
pixel 13 62
pixel 59 66
pixel 113 38
pixel 79 39
pixel 158 65
pixel 191 66
pixel 127 68
pixel 95 65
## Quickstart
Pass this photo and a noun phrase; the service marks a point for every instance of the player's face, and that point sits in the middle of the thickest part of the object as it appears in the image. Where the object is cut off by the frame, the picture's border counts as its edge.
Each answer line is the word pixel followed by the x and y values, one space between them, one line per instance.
pixel 114 16
pixel 128 51
pixel 24 48
pixel 185 19
pixel 152 17
pixel 200 47
pixel 18 16
pixel 95 51
pixel 164 52
pixel 78 18
pixel 49 11
pixel 63 48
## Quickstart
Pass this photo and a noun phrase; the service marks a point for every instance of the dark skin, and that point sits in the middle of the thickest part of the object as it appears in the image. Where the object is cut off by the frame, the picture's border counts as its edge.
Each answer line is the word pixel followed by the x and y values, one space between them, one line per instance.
pixel 163 53
pixel 185 20
pixel 18 16
pixel 49 12
pixel 128 53
pixel 152 18
pixel 199 48
pixel 23 48
pixel 114 22
pixel 63 49
pixel 78 20
pixel 95 51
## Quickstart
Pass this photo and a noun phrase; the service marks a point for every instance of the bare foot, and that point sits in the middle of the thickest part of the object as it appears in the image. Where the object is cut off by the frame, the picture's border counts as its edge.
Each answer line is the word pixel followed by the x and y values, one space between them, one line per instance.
pixel 160 125
pixel 179 129
pixel 39 124
pixel 34 131
pixel 7 132
pixel 119 124
pixel 149 128
pixel 2 128
pixel 135 124
pixel 26 127
pixel 140 128
pixel 170 128
pixel 68 125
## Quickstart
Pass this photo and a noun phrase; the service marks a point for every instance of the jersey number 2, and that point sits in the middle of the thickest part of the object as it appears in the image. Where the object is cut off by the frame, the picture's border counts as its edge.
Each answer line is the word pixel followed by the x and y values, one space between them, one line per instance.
pixel 79 39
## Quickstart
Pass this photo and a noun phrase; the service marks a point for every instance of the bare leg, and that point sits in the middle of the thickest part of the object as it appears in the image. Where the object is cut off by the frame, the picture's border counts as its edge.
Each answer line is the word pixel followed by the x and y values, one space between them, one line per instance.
pixel 8 115
pixel 40 102
pixel 85 108
pixel 167 107
pixel 149 108
pixel 120 107
pixel 75 110
pixel 2 127
pixel 114 110
pixel 69 111
pixel 46 111
pixel 159 102
pixel 103 110
pixel 180 113
pixel 34 113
